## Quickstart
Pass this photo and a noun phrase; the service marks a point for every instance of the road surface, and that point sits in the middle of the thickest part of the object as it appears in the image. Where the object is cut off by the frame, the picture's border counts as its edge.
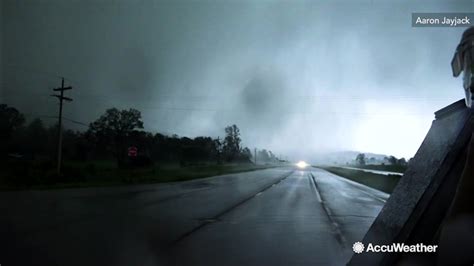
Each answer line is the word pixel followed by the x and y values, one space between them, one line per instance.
pixel 373 171
pixel 280 216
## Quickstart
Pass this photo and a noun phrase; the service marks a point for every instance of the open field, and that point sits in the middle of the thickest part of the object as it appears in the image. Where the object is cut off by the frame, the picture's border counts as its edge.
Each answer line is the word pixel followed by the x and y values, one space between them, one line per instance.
pixel 41 175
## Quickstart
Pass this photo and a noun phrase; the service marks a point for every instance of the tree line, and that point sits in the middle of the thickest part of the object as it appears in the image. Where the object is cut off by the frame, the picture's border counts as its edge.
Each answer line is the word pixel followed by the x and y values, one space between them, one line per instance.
pixel 361 160
pixel 112 135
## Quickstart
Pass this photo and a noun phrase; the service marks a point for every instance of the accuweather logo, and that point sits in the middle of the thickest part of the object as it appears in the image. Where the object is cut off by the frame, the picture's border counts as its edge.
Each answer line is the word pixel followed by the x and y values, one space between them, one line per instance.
pixel 358 248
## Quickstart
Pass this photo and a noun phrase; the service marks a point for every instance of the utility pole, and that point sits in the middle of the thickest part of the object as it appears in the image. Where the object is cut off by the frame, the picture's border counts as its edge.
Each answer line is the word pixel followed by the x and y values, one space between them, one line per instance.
pixel 255 154
pixel 219 151
pixel 61 98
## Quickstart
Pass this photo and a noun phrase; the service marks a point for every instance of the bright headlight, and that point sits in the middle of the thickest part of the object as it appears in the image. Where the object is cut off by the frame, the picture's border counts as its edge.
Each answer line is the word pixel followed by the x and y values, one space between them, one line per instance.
pixel 301 164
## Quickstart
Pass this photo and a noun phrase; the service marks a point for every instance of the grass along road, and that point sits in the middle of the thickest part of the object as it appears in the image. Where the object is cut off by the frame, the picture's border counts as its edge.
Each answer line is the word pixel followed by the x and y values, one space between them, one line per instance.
pixel 385 183
pixel 105 173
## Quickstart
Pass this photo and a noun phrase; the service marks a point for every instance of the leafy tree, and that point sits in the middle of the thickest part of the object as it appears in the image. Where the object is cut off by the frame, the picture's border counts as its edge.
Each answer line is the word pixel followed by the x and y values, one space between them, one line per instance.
pixel 263 156
pixel 219 147
pixel 113 128
pixel 11 122
pixel 35 138
pixel 272 156
pixel 402 162
pixel 246 154
pixel 392 160
pixel 232 141
pixel 360 159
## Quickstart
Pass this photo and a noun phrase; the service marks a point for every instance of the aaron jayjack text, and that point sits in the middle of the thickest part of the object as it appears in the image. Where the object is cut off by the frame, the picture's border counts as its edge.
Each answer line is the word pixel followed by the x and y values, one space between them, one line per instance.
pixel 445 21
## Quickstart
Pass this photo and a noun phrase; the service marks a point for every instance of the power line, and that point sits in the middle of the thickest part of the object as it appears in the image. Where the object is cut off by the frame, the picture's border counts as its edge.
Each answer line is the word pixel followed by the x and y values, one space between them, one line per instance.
pixel 74 121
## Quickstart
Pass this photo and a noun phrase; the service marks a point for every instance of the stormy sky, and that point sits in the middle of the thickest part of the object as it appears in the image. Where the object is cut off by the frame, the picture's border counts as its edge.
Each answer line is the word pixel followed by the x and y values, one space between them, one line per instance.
pixel 297 77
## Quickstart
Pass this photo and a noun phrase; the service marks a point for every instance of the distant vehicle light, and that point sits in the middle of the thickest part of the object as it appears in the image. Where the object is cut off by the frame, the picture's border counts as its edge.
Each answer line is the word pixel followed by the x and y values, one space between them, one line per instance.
pixel 302 164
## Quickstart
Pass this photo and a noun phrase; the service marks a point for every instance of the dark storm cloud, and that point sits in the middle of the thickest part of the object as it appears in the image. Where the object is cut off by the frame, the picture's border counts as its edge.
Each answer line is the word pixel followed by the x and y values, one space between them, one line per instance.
pixel 299 75
pixel 262 98
pixel 1 53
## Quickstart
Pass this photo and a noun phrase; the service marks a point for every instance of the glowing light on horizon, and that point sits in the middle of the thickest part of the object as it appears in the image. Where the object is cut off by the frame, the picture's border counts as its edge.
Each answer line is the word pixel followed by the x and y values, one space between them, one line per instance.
pixel 302 164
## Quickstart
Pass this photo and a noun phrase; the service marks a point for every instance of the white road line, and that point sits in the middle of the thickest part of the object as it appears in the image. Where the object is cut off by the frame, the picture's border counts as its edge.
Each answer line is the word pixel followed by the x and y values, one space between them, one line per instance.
pixel 337 229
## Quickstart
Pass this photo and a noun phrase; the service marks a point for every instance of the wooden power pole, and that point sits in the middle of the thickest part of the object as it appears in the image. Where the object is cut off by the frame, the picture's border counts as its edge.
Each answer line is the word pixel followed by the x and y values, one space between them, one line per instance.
pixel 255 154
pixel 61 98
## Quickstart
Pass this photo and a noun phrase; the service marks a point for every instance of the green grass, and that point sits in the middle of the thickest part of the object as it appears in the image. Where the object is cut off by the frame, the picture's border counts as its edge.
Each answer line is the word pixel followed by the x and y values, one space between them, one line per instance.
pixel 41 175
pixel 385 183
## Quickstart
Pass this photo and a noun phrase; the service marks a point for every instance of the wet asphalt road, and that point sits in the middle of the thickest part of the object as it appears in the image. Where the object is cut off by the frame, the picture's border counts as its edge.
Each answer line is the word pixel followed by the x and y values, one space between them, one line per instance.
pixel 281 216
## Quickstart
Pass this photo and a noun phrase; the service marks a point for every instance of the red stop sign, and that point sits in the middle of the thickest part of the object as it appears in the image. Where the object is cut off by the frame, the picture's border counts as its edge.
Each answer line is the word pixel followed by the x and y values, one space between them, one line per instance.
pixel 132 151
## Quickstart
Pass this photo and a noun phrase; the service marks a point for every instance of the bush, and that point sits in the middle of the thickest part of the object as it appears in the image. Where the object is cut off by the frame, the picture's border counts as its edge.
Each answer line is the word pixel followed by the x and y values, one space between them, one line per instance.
pixel 91 169
pixel 140 161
